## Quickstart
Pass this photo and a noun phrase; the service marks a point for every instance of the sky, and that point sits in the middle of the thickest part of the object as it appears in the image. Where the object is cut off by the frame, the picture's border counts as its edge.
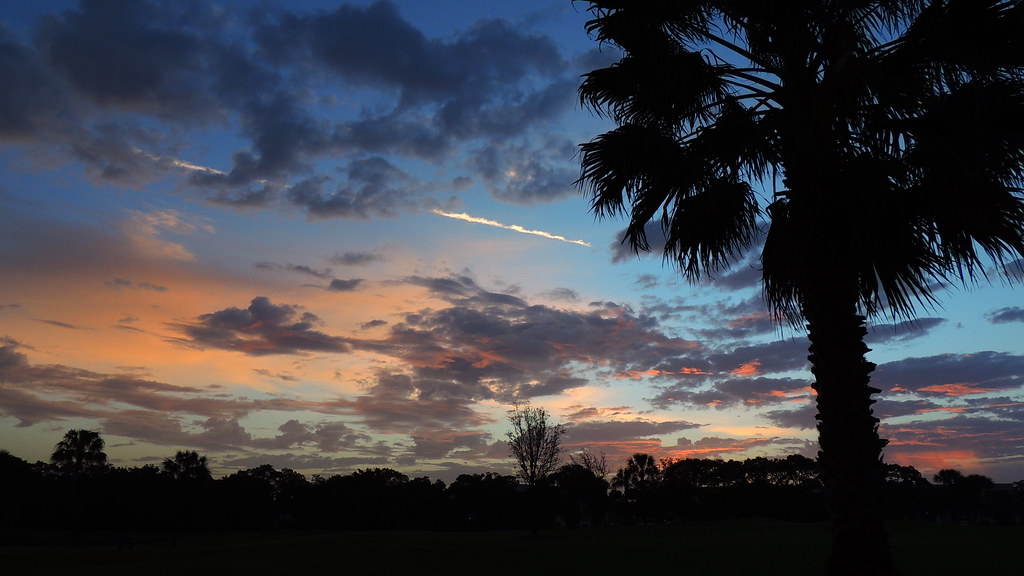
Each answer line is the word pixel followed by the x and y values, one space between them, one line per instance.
pixel 331 236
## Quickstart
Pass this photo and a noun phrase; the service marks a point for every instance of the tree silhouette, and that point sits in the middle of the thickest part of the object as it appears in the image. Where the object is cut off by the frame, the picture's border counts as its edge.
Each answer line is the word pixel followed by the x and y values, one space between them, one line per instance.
pixel 79 457
pixel 190 474
pixel 896 132
pixel 638 481
pixel 596 464
pixel 641 470
pixel 581 495
pixel 187 466
pixel 79 452
pixel 535 443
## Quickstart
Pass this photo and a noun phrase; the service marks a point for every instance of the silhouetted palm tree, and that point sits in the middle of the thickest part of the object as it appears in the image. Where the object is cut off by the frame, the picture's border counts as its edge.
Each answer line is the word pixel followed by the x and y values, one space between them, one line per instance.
pixel 640 471
pixel 896 131
pixel 77 457
pixel 80 451
pixel 187 466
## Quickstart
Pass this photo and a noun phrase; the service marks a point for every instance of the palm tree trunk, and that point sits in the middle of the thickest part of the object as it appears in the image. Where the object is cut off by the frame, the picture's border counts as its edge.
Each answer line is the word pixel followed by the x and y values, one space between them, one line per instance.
pixel 851 451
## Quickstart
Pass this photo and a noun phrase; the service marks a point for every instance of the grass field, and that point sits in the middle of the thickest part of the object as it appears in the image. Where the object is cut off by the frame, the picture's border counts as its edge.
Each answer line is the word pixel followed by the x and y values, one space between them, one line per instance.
pixel 760 547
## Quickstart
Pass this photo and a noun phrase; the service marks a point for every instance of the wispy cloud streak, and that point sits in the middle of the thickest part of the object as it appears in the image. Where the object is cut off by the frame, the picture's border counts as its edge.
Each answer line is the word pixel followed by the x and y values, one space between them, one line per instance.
pixel 514 227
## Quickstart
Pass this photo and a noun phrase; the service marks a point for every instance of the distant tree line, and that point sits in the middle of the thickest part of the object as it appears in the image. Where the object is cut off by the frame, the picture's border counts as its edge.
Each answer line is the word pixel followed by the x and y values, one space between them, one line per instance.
pixel 79 491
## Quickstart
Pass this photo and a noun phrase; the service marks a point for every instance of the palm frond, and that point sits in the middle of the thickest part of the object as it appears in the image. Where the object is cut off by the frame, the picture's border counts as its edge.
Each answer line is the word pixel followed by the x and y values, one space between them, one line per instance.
pixel 675 89
pixel 708 229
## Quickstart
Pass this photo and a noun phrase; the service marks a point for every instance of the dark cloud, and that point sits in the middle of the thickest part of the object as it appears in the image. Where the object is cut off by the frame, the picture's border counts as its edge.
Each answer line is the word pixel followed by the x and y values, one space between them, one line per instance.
pixel 1006 315
pixel 27 391
pixel 60 324
pixel 119 54
pixel 30 99
pixel 373 324
pixel 120 86
pixel 489 345
pixel 617 431
pixel 622 251
pixel 401 404
pixel 355 258
pixel 732 392
pixel 715 446
pixel 327 437
pixel 303 269
pixel 262 328
pixel 984 441
pixel 564 294
pixel 744 275
pixel 787 355
pixel 902 331
pixel 801 417
pixel 339 285
pixel 738 320
pixel 478 66
pixel 375 188
pixel 441 444
pixel 122 283
pixel 275 375
pixel 952 374
pixel 516 173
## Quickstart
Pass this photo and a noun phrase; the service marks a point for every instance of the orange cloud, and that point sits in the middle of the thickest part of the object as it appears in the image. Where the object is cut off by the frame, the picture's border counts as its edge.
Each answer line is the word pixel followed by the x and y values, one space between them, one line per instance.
pixel 958 389
pixel 749 370
pixel 694 371
pixel 639 374
pixel 748 320
pixel 931 461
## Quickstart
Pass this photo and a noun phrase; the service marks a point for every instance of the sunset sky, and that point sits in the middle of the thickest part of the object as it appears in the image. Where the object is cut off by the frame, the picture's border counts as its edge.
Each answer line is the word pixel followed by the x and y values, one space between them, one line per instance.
pixel 340 235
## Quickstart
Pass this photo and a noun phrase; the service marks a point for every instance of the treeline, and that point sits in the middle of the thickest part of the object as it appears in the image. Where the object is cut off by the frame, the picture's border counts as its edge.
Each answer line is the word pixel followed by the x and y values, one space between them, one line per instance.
pixel 77 492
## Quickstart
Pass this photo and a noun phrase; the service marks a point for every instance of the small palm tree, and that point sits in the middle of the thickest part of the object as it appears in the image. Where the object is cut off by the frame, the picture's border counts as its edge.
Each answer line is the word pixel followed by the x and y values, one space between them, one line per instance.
pixel 892 136
pixel 641 470
pixel 187 466
pixel 79 452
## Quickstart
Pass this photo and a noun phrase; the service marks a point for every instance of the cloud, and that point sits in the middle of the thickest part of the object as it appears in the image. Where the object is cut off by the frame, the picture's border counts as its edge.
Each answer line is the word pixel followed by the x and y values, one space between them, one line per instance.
pixel 338 285
pixel 442 444
pixel 716 447
pixel 261 328
pixel 600 432
pixel 622 251
pixel 478 67
pixel 902 331
pixel 303 269
pixel 375 188
pixel 123 87
pixel 564 294
pixel 327 437
pixel 528 173
pixel 952 374
pixel 1006 315
pixel 123 283
pixel 60 324
pixel 144 231
pixel 355 258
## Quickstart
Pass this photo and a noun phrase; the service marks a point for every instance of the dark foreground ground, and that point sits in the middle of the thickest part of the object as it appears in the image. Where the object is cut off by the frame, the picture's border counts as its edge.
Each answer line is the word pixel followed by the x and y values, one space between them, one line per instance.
pixel 742 547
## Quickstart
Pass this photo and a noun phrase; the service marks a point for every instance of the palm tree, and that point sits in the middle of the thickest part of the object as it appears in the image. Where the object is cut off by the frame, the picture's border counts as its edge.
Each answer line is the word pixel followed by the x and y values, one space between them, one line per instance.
pixel 79 452
pixel 892 136
pixel 189 472
pixel 78 456
pixel 641 470
pixel 187 466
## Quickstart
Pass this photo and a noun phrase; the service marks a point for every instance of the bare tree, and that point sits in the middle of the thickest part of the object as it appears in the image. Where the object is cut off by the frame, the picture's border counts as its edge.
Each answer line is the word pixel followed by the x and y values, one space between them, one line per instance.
pixel 534 441
pixel 595 463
